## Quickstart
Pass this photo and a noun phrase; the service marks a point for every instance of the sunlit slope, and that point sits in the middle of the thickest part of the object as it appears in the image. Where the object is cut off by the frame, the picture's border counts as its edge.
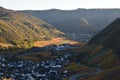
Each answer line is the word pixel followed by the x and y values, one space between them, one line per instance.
pixel 15 27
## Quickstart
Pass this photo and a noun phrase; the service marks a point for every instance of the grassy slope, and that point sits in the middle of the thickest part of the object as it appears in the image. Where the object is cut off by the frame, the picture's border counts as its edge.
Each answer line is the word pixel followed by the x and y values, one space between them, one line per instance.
pixel 103 58
pixel 18 27
pixel 55 41
pixel 105 47
pixel 76 68
pixel 111 74
pixel 104 53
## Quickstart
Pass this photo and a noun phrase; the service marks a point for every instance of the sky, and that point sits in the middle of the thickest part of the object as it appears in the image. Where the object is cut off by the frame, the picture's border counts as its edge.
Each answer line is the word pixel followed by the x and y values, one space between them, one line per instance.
pixel 58 4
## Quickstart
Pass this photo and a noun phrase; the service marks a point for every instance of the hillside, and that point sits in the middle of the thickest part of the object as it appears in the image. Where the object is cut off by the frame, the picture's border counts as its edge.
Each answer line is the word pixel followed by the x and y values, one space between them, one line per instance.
pixel 103 53
pixel 109 37
pixel 79 20
pixel 17 28
pixel 112 74
pixel 105 47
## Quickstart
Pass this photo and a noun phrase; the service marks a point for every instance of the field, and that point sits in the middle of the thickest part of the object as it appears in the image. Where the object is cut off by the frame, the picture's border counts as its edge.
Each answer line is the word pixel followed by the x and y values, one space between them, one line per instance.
pixel 37 56
pixel 55 41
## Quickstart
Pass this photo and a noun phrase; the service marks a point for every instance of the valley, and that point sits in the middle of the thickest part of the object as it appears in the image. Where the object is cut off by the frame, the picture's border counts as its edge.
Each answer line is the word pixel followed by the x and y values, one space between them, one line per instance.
pixel 32 49
pixel 55 66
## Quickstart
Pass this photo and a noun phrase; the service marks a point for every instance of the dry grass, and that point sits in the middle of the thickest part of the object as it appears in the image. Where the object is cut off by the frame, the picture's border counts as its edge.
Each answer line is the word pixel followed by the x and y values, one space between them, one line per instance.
pixel 29 58
pixel 111 74
pixel 5 45
pixel 76 68
pixel 48 42
pixel 37 56
pixel 96 50
pixel 54 41
pixel 106 61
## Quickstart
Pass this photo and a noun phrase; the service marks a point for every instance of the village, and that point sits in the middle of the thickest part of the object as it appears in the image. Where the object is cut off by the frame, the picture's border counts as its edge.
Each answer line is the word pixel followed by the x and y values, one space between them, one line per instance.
pixel 80 37
pixel 51 69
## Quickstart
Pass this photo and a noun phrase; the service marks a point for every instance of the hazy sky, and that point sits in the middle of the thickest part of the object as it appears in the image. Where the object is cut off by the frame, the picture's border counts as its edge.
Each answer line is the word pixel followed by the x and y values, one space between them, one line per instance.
pixel 59 4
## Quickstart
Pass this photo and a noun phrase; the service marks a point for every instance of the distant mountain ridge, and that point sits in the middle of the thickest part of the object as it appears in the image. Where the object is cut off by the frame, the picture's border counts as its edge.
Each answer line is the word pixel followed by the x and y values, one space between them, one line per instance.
pixel 79 20
pixel 15 27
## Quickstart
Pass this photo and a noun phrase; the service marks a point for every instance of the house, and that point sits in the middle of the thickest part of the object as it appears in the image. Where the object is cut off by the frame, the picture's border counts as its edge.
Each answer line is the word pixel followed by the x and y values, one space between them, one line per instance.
pixel 53 72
